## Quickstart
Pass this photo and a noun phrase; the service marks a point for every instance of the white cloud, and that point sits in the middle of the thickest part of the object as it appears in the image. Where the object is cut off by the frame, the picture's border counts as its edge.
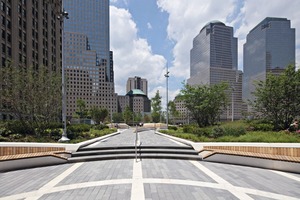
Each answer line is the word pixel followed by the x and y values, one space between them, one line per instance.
pixel 132 55
pixel 186 18
pixel 149 25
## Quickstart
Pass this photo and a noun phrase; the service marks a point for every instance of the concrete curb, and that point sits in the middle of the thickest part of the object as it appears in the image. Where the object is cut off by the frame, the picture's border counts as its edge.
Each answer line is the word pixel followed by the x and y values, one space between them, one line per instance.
pixel 47 160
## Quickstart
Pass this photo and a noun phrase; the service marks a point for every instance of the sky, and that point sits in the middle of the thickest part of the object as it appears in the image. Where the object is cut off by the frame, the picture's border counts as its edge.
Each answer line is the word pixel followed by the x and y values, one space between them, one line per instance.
pixel 149 36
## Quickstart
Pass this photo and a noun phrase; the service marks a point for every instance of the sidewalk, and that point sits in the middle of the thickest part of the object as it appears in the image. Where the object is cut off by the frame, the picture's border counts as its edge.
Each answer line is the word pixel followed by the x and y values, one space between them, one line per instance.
pixel 155 179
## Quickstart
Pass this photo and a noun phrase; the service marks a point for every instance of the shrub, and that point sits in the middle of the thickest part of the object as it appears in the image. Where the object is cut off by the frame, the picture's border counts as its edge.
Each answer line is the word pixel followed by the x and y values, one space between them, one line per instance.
pixel 202 132
pixel 234 131
pixel 263 127
pixel 100 127
pixel 78 128
pixel 217 132
pixel 172 128
pixel 188 128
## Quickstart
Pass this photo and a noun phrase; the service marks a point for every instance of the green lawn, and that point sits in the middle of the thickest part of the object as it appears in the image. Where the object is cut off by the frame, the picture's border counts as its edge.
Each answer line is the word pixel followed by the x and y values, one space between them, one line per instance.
pixel 238 131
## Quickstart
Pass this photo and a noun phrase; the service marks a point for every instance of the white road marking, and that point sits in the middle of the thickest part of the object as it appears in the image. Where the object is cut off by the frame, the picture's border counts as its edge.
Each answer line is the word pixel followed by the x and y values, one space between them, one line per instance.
pixel 54 182
pixel 238 193
pixel 290 176
pixel 146 180
pixel 137 188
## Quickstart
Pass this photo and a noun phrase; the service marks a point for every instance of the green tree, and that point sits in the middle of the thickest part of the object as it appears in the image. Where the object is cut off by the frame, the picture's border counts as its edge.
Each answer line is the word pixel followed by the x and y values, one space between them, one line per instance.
pixel 31 95
pixel 127 114
pixel 172 110
pixel 147 118
pixel 156 107
pixel 98 114
pixel 205 102
pixel 138 117
pixel 118 117
pixel 277 99
pixel 81 108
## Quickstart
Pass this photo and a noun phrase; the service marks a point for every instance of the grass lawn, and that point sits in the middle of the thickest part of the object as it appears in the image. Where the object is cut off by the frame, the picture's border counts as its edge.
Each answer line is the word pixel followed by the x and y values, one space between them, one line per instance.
pixel 238 131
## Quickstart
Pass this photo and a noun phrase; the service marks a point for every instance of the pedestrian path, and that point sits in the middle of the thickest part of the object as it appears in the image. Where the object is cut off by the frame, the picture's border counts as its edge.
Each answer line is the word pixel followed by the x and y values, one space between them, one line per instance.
pixel 157 179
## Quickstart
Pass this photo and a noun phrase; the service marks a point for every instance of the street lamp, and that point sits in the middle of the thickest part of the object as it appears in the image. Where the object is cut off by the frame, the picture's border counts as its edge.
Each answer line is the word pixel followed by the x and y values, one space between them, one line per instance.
pixel 167 76
pixel 63 15
pixel 232 95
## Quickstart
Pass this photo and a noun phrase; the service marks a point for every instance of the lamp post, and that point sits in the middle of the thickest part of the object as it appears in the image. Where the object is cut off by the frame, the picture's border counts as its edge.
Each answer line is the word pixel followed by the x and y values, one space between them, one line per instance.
pixel 232 96
pixel 167 76
pixel 63 15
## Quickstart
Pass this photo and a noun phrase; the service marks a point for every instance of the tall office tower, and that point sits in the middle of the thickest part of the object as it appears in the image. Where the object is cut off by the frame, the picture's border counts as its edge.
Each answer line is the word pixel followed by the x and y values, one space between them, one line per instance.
pixel 87 59
pixel 269 47
pixel 213 59
pixel 137 83
pixel 30 35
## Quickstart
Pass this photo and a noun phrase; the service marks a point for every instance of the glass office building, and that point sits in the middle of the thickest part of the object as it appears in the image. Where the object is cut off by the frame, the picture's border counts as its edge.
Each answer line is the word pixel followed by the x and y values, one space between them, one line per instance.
pixel 88 61
pixel 269 47
pixel 213 59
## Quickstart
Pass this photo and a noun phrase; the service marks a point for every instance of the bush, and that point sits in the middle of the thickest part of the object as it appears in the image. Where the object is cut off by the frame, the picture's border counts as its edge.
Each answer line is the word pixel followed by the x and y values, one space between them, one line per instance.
pixel 188 128
pixel 217 132
pixel 206 132
pixel 78 128
pixel 100 127
pixel 261 126
pixel 172 128
pixel 16 127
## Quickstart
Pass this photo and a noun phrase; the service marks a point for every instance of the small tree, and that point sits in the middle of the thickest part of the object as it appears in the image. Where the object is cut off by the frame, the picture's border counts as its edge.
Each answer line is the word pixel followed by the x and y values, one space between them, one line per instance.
pixel 172 109
pixel 205 102
pixel 127 114
pixel 81 108
pixel 156 107
pixel 98 114
pixel 32 95
pixel 117 117
pixel 277 98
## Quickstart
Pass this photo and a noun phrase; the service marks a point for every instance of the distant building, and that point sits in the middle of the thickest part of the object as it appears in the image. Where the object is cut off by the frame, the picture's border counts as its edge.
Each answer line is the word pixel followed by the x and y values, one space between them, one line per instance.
pixel 213 59
pixel 30 36
pixel 183 113
pixel 137 83
pixel 88 60
pixel 269 47
pixel 137 101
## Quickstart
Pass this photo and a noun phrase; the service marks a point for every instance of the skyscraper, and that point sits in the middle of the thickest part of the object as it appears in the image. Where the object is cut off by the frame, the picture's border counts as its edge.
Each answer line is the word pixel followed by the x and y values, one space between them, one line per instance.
pixel 137 83
pixel 87 58
pixel 213 59
pixel 30 35
pixel 270 47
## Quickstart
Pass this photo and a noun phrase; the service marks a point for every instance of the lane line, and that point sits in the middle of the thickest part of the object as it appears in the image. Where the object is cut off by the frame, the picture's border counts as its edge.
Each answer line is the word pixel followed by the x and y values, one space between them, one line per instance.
pixel 137 188
pixel 54 181
pixel 290 176
pixel 147 180
pixel 238 193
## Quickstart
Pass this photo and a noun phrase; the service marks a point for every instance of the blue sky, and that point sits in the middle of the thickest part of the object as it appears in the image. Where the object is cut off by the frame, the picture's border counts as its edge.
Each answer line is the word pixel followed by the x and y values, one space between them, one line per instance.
pixel 147 35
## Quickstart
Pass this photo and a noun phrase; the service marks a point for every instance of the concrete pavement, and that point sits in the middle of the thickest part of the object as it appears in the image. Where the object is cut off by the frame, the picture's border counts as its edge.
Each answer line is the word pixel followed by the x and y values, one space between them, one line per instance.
pixel 148 179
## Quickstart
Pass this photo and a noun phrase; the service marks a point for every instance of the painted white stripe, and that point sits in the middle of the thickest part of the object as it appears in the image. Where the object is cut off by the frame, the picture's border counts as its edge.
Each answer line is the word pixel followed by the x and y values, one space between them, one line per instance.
pixel 55 181
pixel 148 180
pixel 179 143
pixel 295 178
pixel 137 188
pixel 238 193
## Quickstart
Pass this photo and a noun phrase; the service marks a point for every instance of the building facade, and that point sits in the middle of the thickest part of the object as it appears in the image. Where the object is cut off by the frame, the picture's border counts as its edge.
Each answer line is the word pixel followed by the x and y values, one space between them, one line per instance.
pixel 269 47
pixel 213 59
pixel 30 35
pixel 137 83
pixel 88 61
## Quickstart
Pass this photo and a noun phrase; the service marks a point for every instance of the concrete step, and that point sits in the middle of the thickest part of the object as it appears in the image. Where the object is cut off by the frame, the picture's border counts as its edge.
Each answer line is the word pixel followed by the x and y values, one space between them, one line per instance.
pixel 131 147
pixel 143 150
pixel 124 152
pixel 132 156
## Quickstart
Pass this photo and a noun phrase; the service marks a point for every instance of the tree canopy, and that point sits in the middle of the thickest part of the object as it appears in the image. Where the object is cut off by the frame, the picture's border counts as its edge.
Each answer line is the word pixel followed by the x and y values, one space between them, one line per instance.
pixel 156 107
pixel 277 99
pixel 205 102
pixel 31 95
